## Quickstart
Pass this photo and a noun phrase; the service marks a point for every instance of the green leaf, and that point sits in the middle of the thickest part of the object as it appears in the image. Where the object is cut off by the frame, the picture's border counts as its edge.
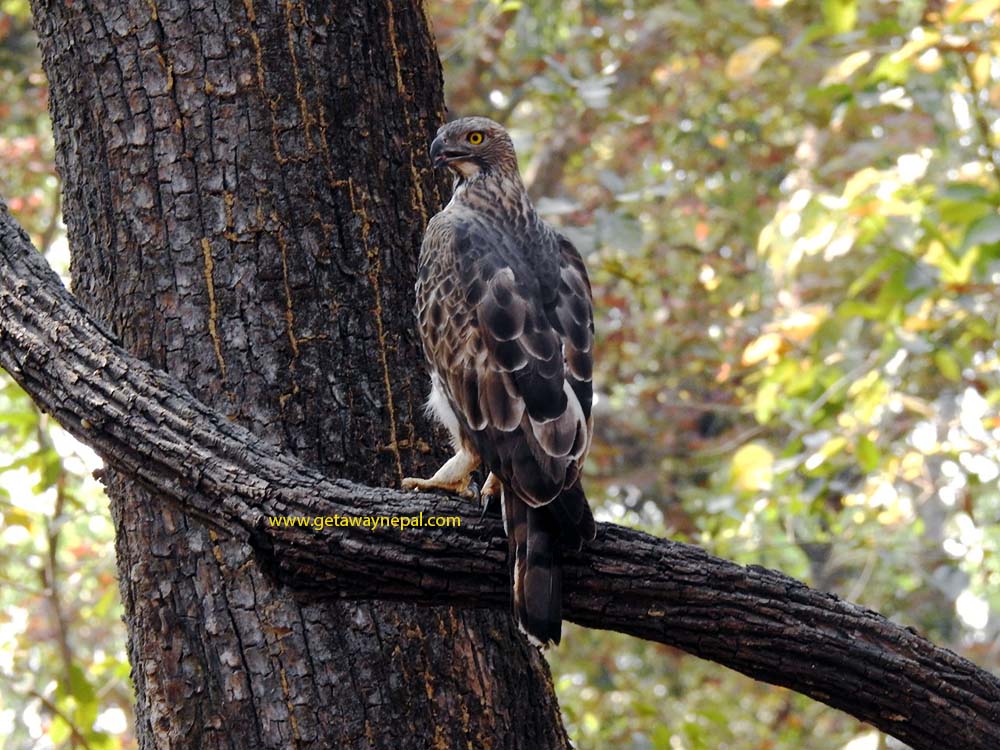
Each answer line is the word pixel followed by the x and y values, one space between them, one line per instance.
pixel 828 450
pixel 14 516
pixel 961 212
pixel 766 402
pixel 753 468
pixel 961 272
pixel 746 61
pixel 892 295
pixel 963 191
pixel 59 731
pixel 106 604
pixel 985 231
pixel 840 15
pixel 867 453
pixel 876 269
pixel 948 365
pixel 79 686
pixel 845 68
pixel 50 464
pixel 856 309
pixel 979 10
pixel 24 418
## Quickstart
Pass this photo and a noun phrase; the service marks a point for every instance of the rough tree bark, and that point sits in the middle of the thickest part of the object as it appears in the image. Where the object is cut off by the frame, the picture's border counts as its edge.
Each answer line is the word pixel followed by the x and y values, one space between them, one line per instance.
pixel 754 620
pixel 245 189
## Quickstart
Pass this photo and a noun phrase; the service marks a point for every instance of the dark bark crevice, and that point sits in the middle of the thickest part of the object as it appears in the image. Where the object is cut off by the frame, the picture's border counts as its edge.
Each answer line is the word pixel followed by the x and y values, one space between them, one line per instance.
pixel 760 622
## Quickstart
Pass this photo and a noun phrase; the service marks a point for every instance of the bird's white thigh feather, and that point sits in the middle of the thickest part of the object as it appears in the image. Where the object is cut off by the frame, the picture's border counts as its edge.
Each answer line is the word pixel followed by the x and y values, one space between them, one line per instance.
pixel 503 511
pixel 581 422
pixel 439 408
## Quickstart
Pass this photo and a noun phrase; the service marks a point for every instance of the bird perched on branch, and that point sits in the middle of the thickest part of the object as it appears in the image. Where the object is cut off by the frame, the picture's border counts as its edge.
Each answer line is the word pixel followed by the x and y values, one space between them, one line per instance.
pixel 505 316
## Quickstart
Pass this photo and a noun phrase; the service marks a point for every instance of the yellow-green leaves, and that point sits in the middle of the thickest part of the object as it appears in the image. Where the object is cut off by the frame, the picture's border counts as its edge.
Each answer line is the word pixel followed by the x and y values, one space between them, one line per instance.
pixel 753 468
pixel 948 365
pixel 984 231
pixel 979 10
pixel 748 59
pixel 846 67
pixel 867 453
pixel 840 15
pixel 763 348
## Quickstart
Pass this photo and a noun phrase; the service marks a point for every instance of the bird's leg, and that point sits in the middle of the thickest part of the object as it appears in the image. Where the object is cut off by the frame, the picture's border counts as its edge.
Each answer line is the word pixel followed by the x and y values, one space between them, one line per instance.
pixel 452 477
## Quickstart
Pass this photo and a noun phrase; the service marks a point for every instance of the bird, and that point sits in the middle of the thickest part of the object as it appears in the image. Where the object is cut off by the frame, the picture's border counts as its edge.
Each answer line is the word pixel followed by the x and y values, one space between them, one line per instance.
pixel 504 309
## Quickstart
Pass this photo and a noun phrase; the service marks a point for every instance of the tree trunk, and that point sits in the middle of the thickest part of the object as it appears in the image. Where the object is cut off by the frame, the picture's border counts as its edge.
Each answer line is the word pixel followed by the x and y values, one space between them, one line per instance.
pixel 245 191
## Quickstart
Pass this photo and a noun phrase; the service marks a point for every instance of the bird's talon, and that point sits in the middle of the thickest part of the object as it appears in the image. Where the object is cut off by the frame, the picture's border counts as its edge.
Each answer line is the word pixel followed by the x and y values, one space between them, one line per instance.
pixel 490 506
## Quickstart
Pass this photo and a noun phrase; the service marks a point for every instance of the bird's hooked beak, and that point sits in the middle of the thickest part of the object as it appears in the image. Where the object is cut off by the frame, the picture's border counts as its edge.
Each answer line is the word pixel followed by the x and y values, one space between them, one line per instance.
pixel 442 153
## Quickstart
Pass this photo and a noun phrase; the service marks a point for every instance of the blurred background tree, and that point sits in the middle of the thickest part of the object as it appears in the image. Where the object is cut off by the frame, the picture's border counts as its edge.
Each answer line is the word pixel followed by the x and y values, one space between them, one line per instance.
pixel 790 215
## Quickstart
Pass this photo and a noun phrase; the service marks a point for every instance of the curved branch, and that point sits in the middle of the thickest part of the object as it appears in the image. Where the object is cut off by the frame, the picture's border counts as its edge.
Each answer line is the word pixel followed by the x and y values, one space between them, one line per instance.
pixel 754 620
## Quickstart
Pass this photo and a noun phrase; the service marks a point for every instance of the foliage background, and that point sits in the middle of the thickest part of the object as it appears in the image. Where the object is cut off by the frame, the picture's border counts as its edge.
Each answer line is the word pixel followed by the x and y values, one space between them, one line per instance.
pixel 790 214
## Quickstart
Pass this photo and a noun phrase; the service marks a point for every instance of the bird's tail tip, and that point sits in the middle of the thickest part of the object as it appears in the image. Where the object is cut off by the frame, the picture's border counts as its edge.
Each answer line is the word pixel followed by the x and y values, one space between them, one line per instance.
pixel 534 544
pixel 535 636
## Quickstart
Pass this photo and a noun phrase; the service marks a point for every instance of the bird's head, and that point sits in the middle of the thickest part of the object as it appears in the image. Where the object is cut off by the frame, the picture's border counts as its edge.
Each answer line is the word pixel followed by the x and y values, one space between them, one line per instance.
pixel 472 146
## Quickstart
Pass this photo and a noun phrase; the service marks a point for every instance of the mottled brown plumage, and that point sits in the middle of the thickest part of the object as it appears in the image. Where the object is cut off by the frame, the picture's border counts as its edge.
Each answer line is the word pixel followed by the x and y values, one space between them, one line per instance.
pixel 505 316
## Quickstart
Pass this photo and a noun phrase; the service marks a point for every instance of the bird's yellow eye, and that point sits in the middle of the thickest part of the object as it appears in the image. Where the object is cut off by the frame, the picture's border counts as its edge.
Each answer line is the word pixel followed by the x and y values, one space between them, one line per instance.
pixel 475 138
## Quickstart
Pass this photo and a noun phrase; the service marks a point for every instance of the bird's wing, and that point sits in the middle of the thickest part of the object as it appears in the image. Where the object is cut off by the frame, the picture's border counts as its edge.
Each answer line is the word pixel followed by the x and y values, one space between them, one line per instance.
pixel 511 340
pixel 573 317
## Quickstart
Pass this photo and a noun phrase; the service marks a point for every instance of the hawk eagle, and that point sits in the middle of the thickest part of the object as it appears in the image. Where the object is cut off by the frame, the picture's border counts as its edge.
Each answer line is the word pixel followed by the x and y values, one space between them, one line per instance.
pixel 505 316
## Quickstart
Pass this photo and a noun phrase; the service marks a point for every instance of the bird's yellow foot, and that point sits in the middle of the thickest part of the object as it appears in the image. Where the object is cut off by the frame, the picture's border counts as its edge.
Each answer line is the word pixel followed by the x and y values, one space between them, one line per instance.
pixel 458 487
pixel 452 477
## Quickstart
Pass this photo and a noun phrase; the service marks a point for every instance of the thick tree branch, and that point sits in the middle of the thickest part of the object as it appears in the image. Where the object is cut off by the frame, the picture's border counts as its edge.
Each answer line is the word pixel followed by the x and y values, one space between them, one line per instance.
pixel 753 620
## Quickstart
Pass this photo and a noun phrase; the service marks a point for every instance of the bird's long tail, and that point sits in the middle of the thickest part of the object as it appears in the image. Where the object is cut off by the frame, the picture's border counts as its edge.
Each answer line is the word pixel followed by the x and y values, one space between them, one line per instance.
pixel 536 537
